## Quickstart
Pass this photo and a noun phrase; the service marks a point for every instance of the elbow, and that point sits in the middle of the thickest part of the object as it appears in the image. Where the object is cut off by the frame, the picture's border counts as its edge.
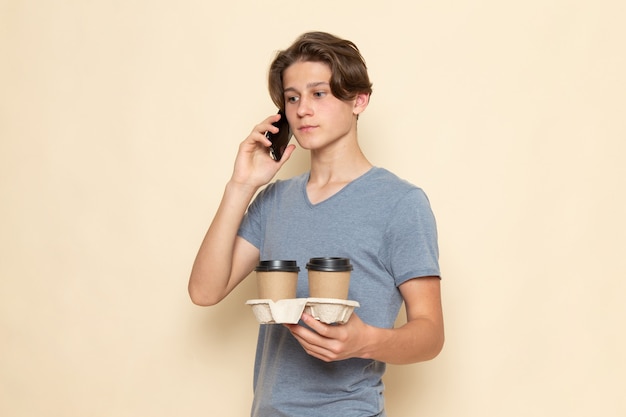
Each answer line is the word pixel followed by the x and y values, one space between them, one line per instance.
pixel 202 301
pixel 202 298
pixel 437 340
pixel 430 349
pixel 436 347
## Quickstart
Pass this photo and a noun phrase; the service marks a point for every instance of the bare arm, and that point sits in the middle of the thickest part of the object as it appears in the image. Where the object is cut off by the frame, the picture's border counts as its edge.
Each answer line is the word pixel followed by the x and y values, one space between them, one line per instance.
pixel 224 259
pixel 420 339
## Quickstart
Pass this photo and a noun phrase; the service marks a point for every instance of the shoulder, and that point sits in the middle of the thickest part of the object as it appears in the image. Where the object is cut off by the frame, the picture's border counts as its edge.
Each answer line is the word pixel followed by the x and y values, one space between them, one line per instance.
pixel 384 176
pixel 389 184
pixel 280 187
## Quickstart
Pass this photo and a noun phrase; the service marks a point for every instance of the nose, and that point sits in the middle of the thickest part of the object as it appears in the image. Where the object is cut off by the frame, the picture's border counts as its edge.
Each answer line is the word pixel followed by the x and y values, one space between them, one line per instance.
pixel 304 107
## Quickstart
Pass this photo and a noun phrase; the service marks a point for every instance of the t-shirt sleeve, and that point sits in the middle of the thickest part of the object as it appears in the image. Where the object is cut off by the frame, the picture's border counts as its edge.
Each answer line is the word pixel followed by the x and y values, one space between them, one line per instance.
pixel 410 248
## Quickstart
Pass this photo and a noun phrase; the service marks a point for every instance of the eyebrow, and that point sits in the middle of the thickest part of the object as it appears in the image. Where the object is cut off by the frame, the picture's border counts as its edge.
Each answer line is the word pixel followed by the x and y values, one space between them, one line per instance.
pixel 308 86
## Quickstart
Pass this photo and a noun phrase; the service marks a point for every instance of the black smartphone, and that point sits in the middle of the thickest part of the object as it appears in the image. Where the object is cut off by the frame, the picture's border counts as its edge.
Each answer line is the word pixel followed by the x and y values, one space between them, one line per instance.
pixel 281 139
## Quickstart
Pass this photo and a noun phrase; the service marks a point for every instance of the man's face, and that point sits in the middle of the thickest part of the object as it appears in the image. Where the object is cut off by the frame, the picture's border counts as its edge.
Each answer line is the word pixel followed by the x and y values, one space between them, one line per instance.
pixel 318 118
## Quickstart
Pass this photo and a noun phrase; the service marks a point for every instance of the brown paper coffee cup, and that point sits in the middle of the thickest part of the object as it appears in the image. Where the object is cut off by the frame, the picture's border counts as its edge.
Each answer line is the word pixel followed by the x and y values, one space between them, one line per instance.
pixel 277 279
pixel 329 277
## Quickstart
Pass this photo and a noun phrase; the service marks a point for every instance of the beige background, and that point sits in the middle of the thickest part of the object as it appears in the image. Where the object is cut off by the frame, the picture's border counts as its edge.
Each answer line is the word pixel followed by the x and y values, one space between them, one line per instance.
pixel 119 122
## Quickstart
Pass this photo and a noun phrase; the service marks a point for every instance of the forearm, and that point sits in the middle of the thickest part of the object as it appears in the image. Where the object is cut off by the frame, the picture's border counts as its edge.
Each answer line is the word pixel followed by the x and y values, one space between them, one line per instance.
pixel 212 273
pixel 419 340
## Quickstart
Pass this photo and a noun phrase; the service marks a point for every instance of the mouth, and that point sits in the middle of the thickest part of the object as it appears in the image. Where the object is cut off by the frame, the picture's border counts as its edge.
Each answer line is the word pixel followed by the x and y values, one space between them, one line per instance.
pixel 306 128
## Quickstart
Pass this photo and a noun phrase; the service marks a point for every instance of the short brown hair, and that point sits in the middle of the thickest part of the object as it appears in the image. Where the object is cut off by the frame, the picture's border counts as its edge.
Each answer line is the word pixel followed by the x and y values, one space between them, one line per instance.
pixel 348 70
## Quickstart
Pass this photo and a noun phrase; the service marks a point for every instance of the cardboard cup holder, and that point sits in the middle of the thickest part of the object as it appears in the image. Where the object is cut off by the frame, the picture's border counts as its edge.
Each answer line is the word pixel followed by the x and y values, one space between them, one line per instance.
pixel 326 310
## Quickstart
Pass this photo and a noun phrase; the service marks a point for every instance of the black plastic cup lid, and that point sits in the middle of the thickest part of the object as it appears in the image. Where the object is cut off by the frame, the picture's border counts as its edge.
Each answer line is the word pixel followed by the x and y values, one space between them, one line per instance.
pixel 277 265
pixel 330 264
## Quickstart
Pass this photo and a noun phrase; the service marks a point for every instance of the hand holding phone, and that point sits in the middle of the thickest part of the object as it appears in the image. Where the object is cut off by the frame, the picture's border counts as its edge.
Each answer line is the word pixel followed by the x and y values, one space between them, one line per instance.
pixel 281 139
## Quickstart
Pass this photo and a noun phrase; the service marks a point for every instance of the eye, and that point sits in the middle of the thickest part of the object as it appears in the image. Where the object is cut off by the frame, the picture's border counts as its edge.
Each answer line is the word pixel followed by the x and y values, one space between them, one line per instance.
pixel 319 94
pixel 292 99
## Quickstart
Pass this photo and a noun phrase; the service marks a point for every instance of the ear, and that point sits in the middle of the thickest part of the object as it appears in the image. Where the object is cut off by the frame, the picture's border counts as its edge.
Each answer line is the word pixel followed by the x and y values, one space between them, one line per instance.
pixel 360 103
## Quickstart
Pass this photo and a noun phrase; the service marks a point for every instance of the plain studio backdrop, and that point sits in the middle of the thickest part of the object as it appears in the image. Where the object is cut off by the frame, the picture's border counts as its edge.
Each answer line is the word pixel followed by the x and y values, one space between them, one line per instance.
pixel 119 124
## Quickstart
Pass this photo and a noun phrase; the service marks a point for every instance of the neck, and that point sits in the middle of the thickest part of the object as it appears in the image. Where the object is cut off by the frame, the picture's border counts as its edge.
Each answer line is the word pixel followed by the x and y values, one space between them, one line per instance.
pixel 338 167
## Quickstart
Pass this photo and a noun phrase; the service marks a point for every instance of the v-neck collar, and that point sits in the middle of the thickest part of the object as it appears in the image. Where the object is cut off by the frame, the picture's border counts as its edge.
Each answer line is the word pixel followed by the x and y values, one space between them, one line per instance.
pixel 334 196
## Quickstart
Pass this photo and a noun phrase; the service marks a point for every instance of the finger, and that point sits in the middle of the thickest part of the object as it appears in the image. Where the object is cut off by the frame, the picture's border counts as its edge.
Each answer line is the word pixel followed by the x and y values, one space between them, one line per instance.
pixel 309 339
pixel 335 332
pixel 287 154
pixel 316 325
pixel 255 141
pixel 317 351
pixel 258 133
pixel 268 124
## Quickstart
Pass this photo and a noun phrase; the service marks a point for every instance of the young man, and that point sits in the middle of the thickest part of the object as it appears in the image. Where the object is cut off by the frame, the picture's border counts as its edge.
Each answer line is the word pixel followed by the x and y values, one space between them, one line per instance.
pixel 343 207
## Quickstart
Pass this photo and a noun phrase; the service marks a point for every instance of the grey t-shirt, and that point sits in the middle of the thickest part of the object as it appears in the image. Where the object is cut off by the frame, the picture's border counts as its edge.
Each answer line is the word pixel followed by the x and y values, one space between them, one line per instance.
pixel 386 227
